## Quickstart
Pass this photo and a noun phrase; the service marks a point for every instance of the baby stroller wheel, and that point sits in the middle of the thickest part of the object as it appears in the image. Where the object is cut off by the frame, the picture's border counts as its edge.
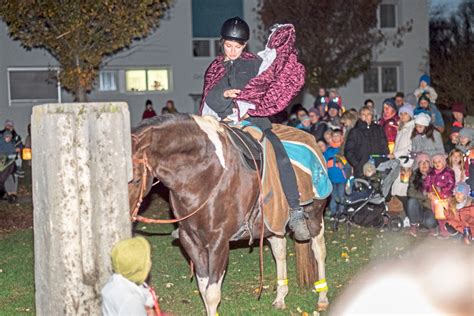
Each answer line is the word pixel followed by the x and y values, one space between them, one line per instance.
pixel 396 224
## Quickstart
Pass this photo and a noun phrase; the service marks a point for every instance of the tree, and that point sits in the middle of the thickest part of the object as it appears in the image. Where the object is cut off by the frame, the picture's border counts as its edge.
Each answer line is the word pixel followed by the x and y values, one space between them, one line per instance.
pixel 452 55
pixel 336 39
pixel 79 34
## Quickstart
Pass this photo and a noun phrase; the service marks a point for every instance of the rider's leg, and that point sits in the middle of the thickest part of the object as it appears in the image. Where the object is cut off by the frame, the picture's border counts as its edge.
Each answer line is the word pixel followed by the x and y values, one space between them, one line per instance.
pixel 290 188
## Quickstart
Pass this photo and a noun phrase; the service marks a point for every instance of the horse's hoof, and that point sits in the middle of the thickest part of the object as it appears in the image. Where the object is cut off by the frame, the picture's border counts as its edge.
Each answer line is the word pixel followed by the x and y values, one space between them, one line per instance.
pixel 322 307
pixel 279 305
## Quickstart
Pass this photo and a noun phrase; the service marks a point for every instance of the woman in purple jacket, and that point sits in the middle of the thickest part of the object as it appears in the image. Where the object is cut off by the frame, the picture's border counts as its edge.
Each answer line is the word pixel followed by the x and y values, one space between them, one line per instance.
pixel 439 184
pixel 229 95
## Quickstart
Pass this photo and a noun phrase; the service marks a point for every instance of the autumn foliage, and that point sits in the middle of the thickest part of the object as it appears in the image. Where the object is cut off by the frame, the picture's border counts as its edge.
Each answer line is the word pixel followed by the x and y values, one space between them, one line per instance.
pixel 79 34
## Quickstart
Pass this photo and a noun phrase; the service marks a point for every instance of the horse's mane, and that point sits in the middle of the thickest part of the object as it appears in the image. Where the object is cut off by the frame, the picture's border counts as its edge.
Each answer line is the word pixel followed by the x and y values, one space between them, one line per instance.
pixel 159 120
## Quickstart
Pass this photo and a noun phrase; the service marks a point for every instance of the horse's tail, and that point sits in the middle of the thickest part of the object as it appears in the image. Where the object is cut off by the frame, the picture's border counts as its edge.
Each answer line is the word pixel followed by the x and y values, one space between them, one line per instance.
pixel 306 265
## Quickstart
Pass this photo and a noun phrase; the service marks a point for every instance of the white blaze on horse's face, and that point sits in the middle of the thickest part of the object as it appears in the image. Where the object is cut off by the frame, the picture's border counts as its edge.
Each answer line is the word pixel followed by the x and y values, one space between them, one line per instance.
pixel 211 127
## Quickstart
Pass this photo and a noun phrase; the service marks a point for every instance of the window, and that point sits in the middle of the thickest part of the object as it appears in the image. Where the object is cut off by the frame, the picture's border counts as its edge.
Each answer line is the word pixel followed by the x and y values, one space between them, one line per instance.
pixel 371 80
pixel 382 79
pixel 28 85
pixel 139 80
pixel 201 48
pixel 389 79
pixel 387 16
pixel 207 19
pixel 108 80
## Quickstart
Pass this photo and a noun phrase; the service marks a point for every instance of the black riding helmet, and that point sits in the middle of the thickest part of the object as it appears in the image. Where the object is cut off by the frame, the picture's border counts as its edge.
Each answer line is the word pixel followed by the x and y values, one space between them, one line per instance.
pixel 235 29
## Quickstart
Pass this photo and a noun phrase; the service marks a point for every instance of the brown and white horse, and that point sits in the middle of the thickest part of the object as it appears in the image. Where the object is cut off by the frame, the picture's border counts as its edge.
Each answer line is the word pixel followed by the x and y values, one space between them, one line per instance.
pixel 193 157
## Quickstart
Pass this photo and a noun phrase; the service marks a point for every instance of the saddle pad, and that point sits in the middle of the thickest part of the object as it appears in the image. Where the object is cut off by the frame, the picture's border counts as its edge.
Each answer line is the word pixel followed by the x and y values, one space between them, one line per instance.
pixel 310 169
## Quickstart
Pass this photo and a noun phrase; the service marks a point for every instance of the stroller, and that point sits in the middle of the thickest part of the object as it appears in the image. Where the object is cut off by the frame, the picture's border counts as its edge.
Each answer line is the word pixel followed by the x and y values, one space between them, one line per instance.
pixel 365 204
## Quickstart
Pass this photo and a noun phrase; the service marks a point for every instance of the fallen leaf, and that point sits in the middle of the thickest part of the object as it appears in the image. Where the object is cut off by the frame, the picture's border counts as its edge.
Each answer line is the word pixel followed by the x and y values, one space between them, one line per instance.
pixel 168 285
pixel 344 255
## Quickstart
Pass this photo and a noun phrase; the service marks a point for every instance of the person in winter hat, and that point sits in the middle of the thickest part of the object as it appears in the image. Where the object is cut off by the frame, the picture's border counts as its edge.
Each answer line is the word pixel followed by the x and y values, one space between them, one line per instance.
pixel 453 139
pixel 425 138
pixel 466 138
pixel 389 122
pixel 425 88
pixel 439 184
pixel 459 111
pixel 126 292
pixel 333 115
pixel 460 215
pixel 426 106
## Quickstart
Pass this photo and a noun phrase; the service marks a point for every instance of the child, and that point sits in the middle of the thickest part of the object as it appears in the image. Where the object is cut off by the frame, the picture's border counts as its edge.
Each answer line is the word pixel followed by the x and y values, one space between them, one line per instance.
pixel 337 171
pixel 466 138
pixel 460 216
pixel 456 162
pixel 126 292
pixel 439 184
pixel 371 175
pixel 328 136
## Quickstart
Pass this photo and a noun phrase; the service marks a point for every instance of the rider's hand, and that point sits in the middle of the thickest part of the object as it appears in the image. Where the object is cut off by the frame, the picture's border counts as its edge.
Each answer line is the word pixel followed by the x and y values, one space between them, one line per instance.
pixel 231 93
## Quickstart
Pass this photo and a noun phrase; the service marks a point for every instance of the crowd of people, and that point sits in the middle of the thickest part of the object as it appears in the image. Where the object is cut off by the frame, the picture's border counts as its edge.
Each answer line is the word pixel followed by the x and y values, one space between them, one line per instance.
pixel 434 186
pixel 149 111
pixel 11 159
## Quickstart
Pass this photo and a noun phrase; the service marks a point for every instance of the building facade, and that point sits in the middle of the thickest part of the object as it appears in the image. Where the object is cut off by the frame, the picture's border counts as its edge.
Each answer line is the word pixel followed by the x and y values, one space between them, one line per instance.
pixel 169 64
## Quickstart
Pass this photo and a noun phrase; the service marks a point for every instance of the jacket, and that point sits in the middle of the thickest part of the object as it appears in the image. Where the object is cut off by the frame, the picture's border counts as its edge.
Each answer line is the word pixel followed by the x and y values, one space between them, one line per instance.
pixel 336 168
pixel 362 141
pixel 390 127
pixel 428 89
pixel 413 192
pixel 462 217
pixel 280 76
pixel 424 144
pixel 318 130
pixel 403 142
pixel 444 182
pixel 123 297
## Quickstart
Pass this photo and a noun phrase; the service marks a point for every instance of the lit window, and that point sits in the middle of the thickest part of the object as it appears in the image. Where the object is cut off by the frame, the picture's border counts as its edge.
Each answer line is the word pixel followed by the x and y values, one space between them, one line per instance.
pixel 387 16
pixel 147 80
pixel 32 85
pixel 107 80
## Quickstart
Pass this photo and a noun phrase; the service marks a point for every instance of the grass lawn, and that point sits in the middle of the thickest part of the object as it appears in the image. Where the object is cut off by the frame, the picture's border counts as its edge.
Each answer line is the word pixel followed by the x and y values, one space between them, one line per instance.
pixel 346 255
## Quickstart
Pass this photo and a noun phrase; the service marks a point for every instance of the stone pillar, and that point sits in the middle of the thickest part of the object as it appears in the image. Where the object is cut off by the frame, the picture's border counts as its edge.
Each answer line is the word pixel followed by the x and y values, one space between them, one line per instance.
pixel 81 167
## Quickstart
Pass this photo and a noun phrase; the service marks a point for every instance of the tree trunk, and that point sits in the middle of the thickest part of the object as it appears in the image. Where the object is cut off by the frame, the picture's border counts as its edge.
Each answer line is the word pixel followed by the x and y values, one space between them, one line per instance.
pixel 81 167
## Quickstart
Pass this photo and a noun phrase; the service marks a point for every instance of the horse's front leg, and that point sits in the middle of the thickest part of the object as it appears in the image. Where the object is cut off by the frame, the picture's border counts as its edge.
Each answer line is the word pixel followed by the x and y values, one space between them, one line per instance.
pixel 318 244
pixel 199 256
pixel 218 257
pixel 278 245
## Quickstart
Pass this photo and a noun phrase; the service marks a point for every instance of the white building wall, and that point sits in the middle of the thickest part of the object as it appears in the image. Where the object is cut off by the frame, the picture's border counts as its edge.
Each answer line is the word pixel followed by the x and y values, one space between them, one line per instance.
pixel 171 46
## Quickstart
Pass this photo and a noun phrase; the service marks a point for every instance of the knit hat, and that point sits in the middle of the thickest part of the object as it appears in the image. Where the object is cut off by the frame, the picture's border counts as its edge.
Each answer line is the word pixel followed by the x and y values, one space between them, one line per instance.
pixel 333 105
pixel 391 102
pixel 406 108
pixel 463 187
pixel 422 119
pixel 467 132
pixel 422 157
pixel 439 157
pixel 9 122
pixel 132 259
pixel 426 79
pixel 455 129
pixel 458 107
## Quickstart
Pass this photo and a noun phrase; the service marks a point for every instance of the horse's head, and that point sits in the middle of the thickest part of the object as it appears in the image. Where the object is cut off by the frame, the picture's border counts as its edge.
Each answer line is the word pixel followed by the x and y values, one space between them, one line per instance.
pixel 142 179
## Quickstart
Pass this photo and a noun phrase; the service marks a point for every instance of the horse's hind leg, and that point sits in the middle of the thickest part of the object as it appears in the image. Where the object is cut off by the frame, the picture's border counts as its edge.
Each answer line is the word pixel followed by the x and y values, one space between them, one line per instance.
pixel 278 245
pixel 218 256
pixel 318 244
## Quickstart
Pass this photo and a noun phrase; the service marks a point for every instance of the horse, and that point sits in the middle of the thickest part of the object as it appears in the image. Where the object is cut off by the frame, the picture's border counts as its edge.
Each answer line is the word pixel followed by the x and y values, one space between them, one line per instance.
pixel 213 193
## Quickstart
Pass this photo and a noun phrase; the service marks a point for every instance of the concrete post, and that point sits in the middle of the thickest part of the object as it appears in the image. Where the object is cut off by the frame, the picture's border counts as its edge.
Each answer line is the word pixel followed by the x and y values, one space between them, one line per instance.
pixel 81 166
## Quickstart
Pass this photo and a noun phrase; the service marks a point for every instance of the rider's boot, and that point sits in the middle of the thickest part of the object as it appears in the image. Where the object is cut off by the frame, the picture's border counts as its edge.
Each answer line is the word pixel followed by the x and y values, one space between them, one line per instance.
pixel 298 225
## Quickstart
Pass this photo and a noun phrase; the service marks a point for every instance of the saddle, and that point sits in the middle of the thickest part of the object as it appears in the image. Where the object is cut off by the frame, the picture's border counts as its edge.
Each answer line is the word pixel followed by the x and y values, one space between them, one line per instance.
pixel 250 149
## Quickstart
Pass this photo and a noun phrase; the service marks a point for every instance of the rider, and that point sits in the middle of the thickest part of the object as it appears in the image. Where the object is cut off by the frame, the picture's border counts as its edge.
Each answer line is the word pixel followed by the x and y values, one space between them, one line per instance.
pixel 240 67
